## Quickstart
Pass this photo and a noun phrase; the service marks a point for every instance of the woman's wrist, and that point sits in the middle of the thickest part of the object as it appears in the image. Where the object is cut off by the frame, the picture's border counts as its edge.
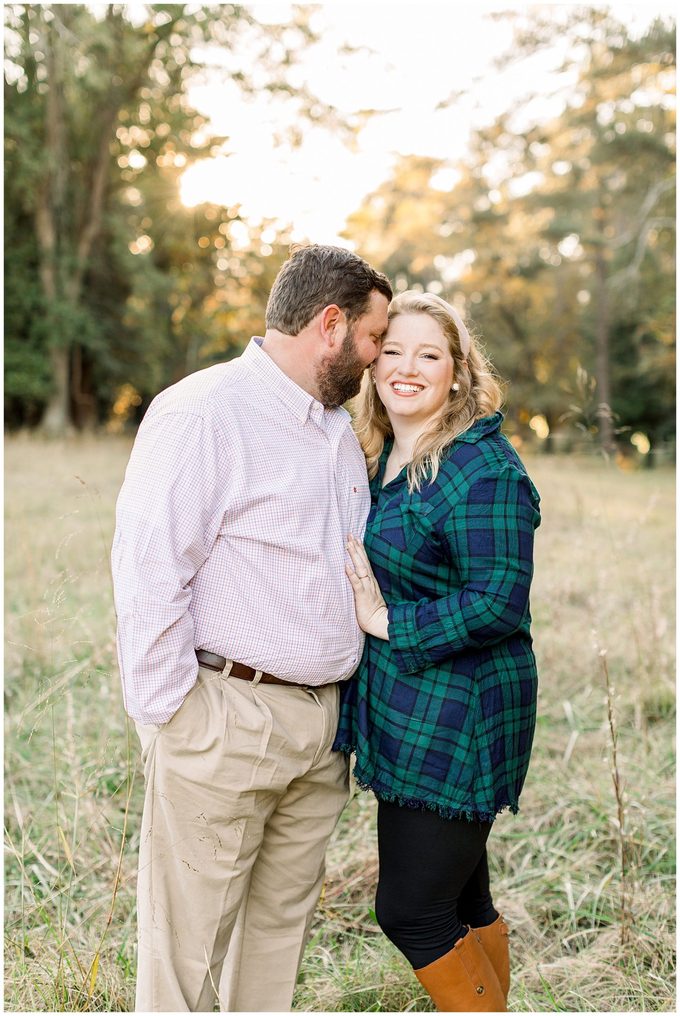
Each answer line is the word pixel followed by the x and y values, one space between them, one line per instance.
pixel 378 624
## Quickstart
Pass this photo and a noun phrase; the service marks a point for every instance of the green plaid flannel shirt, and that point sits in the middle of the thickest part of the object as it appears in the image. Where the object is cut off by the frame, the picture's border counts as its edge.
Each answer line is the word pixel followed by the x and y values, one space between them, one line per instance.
pixel 442 715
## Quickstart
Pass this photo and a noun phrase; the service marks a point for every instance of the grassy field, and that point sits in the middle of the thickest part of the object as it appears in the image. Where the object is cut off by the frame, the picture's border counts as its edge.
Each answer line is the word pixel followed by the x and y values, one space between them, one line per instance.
pixel 584 874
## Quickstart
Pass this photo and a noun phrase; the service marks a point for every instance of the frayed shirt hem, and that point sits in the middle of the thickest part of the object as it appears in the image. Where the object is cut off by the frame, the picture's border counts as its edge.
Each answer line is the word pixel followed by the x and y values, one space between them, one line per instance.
pixel 444 810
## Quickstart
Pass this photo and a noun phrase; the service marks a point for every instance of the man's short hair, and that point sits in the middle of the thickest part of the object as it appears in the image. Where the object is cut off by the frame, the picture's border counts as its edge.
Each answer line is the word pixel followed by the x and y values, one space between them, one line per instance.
pixel 315 276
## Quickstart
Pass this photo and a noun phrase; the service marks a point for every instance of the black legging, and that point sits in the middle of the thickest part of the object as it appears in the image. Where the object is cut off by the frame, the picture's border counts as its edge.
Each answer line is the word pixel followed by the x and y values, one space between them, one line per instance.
pixel 434 880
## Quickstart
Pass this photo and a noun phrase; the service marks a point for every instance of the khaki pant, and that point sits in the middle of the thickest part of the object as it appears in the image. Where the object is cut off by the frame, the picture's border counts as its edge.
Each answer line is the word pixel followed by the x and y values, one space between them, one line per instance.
pixel 242 795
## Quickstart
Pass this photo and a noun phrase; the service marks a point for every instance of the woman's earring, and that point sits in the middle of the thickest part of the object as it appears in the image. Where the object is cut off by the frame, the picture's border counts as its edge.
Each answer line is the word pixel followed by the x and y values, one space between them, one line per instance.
pixel 372 376
pixel 455 387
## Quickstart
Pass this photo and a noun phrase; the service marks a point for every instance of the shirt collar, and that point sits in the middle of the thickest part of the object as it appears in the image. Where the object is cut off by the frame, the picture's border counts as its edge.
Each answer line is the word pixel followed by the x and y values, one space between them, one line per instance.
pixel 303 405
pixel 480 428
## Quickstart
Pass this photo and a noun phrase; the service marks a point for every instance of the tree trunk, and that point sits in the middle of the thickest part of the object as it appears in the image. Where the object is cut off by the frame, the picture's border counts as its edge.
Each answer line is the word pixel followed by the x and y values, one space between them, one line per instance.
pixel 56 420
pixel 58 283
pixel 83 400
pixel 552 419
pixel 48 219
pixel 64 257
pixel 602 363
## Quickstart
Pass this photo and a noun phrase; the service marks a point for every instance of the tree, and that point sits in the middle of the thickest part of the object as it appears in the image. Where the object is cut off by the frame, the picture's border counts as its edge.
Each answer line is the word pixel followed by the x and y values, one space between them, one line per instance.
pixel 98 129
pixel 556 238
pixel 606 172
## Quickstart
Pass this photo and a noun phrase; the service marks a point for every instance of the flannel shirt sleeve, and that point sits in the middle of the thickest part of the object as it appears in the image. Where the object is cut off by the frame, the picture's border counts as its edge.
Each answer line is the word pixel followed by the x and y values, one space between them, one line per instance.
pixel 489 536
pixel 167 517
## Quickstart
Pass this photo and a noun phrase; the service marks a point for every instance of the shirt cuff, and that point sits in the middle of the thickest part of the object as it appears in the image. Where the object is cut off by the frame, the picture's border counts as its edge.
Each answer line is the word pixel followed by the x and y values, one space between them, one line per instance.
pixel 419 637
pixel 403 637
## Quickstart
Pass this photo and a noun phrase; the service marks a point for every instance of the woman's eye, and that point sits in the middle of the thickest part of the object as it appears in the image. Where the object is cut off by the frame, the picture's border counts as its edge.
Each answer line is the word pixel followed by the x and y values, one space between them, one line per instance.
pixel 430 356
pixel 390 352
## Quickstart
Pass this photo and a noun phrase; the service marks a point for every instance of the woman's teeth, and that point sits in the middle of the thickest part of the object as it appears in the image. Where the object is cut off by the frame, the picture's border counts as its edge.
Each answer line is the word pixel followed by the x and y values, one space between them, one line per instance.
pixel 399 387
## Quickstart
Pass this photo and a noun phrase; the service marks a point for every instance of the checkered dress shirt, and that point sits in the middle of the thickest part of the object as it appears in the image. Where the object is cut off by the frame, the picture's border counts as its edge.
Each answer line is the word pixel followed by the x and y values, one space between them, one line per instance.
pixel 442 715
pixel 231 528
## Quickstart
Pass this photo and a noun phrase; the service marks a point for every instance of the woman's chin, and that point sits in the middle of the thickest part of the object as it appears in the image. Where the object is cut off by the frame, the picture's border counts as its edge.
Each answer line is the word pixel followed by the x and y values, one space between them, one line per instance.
pixel 403 412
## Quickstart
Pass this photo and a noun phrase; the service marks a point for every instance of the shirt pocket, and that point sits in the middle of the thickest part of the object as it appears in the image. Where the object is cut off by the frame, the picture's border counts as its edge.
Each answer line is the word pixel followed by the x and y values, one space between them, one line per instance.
pixel 420 537
pixel 403 539
pixel 416 520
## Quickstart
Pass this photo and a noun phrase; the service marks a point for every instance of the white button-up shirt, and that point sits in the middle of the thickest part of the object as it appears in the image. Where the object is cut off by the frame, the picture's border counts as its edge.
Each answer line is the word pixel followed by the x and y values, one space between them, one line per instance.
pixel 231 528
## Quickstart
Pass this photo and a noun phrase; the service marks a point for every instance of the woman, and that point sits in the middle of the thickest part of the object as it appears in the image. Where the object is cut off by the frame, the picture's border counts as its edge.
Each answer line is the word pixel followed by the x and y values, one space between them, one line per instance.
pixel 442 709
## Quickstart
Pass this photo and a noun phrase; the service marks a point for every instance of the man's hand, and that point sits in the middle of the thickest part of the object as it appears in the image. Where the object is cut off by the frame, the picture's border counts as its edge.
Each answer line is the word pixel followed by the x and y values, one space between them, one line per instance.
pixel 370 607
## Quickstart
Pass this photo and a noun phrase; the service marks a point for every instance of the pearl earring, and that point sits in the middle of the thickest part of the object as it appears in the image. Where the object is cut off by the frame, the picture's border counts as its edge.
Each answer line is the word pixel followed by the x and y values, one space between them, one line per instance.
pixel 455 387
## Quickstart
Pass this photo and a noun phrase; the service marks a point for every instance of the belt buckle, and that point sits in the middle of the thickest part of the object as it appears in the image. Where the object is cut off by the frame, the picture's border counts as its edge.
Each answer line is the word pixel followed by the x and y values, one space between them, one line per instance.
pixel 213 661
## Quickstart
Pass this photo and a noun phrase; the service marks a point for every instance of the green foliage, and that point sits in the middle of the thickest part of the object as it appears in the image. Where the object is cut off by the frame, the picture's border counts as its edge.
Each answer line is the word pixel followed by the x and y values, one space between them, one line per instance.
pixel 26 371
pixel 126 286
pixel 28 379
pixel 557 237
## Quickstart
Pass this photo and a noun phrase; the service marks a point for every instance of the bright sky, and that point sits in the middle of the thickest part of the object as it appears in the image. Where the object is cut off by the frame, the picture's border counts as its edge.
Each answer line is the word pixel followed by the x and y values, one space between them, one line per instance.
pixel 422 53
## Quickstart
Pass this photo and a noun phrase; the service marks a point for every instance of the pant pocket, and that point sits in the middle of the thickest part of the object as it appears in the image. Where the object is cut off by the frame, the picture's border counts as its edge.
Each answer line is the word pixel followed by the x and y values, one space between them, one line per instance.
pixel 147 733
pixel 249 719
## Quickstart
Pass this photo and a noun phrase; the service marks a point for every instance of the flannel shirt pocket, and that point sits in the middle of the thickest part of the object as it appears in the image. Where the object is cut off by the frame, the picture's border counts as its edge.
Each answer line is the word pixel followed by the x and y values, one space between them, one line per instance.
pixel 416 519
pixel 419 533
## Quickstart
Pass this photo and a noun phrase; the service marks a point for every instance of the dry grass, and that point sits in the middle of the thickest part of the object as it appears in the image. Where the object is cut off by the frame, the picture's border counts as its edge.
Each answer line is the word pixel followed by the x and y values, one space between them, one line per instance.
pixel 604 581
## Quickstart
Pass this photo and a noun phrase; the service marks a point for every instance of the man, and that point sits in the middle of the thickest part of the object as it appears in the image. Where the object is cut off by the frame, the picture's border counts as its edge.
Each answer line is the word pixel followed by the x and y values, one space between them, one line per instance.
pixel 235 625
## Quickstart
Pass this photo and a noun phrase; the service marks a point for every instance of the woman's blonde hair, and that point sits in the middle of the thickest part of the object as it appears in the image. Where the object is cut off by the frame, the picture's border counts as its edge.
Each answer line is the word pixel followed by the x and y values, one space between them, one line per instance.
pixel 479 395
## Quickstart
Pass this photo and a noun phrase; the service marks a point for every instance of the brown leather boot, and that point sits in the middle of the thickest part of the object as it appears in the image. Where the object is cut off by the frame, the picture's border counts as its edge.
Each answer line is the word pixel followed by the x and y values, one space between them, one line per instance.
pixel 494 939
pixel 463 980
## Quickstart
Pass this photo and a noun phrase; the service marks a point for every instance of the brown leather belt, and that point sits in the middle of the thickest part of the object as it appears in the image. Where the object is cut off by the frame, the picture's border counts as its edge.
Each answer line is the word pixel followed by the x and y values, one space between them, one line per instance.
pixel 214 662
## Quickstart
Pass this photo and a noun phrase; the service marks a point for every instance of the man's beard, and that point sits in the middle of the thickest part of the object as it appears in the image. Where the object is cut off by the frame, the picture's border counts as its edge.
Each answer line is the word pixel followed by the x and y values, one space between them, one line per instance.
pixel 339 379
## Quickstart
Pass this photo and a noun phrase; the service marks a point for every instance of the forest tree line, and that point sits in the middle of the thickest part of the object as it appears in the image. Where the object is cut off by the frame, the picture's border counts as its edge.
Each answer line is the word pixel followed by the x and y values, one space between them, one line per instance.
pixel 556 239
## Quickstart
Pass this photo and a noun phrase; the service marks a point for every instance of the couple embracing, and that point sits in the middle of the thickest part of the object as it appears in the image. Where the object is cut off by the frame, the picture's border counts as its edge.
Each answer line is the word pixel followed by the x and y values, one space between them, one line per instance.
pixel 292 589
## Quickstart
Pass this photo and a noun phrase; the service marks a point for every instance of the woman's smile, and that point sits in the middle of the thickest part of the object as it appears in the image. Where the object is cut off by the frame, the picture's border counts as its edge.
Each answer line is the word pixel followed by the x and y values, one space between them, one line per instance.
pixel 405 388
pixel 414 371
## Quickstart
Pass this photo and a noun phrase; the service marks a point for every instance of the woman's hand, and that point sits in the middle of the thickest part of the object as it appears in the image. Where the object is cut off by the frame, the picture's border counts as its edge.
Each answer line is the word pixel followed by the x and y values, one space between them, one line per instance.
pixel 370 607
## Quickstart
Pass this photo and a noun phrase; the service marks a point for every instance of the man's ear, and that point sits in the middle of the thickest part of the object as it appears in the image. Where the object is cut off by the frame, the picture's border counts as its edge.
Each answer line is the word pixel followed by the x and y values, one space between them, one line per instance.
pixel 331 323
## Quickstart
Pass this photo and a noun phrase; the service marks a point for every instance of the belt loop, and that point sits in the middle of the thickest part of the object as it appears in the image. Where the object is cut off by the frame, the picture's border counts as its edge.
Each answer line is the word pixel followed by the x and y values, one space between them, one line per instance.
pixel 256 680
pixel 227 668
